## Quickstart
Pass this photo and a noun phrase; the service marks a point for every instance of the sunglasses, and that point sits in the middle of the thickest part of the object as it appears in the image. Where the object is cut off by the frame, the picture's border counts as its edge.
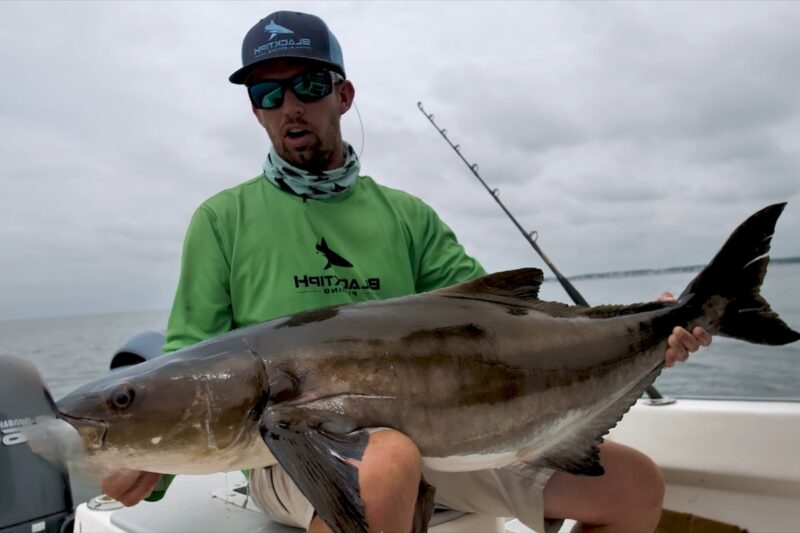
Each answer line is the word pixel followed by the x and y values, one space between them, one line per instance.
pixel 307 87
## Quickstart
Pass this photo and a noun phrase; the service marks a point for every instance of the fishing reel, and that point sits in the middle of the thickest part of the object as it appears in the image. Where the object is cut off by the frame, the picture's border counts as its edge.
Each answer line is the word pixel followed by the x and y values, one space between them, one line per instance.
pixel 35 493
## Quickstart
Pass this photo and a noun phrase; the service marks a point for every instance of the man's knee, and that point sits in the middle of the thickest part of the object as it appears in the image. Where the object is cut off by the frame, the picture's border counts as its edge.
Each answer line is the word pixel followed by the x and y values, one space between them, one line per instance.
pixel 629 494
pixel 388 478
pixel 650 479
pixel 391 453
pixel 636 474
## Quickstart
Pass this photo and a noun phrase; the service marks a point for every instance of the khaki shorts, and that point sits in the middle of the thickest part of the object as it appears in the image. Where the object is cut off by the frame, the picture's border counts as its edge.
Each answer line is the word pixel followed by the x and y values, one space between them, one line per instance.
pixel 487 492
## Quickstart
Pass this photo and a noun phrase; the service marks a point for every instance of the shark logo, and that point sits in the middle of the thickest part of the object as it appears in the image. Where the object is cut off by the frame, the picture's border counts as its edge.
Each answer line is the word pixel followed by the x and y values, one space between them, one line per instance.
pixel 333 282
pixel 275 29
pixel 332 257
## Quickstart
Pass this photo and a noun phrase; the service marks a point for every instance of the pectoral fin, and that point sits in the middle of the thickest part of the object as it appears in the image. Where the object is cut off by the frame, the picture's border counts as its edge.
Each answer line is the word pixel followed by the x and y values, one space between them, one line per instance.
pixel 317 461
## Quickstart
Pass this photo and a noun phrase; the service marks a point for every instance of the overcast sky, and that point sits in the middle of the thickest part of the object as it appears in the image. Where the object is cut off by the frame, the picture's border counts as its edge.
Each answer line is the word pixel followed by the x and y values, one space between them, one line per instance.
pixel 630 135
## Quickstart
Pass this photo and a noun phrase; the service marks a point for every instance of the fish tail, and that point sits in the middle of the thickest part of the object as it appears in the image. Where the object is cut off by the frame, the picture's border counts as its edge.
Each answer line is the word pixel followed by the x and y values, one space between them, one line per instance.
pixel 728 291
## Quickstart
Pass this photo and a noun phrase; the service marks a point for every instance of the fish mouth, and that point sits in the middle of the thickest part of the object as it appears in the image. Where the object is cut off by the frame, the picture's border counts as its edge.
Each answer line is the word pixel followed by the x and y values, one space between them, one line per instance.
pixel 92 430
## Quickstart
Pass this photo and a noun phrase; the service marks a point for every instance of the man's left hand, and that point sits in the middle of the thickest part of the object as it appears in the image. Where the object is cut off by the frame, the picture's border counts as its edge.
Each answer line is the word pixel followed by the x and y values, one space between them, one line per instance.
pixel 681 343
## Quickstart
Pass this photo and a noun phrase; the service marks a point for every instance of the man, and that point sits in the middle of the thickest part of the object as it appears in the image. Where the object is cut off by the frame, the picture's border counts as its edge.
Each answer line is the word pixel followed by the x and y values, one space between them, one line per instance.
pixel 310 232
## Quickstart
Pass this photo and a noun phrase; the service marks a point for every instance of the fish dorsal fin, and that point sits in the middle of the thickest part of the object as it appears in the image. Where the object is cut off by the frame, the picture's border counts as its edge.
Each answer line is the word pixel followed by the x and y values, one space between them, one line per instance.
pixel 522 284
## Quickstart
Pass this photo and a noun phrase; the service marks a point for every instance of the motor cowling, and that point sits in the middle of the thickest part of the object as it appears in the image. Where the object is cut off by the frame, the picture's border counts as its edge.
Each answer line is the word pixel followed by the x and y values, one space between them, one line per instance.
pixel 34 493
pixel 138 349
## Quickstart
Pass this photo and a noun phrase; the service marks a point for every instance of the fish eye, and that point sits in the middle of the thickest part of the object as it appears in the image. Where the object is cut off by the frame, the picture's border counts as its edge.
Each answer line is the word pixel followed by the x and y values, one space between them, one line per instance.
pixel 121 397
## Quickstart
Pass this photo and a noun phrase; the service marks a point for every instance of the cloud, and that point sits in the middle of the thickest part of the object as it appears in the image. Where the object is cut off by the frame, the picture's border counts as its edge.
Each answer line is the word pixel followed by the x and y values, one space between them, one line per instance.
pixel 627 135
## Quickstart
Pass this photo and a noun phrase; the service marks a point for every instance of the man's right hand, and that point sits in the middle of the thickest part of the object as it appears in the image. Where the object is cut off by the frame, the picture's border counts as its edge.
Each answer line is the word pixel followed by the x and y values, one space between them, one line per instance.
pixel 129 487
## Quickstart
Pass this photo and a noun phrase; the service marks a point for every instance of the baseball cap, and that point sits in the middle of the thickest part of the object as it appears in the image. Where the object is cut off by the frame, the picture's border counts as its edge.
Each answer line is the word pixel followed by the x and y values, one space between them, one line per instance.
pixel 292 35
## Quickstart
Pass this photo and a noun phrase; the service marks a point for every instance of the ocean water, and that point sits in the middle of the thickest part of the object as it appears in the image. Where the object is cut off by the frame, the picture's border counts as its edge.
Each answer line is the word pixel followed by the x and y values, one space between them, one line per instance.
pixel 728 368
pixel 70 351
pixel 73 350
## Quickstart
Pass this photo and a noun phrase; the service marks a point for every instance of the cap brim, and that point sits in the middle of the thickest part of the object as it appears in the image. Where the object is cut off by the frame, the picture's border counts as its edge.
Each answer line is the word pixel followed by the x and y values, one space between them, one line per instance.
pixel 240 76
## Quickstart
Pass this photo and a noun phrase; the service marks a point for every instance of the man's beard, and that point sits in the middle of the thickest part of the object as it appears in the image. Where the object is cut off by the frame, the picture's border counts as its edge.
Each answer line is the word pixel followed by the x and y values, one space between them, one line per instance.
pixel 314 157
pixel 317 156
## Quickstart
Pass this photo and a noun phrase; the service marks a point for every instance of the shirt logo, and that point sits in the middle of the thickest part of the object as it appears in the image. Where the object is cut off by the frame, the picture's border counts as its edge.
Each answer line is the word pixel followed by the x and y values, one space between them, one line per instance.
pixel 274 29
pixel 332 283
pixel 332 257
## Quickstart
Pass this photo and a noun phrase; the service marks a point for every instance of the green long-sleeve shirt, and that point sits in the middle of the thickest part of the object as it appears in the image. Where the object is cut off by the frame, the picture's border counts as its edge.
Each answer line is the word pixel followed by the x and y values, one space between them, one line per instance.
pixel 254 252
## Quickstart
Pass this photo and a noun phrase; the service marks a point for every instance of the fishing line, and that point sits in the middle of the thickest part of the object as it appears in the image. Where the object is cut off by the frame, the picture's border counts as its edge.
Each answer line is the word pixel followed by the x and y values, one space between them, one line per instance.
pixel 361 123
pixel 530 236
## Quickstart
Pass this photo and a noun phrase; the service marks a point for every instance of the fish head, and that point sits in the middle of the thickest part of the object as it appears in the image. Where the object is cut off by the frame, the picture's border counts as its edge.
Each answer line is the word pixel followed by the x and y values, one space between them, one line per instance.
pixel 186 412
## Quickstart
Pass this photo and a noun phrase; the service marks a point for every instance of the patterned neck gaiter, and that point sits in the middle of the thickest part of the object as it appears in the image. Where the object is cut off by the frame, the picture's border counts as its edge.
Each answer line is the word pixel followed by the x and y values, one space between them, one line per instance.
pixel 316 185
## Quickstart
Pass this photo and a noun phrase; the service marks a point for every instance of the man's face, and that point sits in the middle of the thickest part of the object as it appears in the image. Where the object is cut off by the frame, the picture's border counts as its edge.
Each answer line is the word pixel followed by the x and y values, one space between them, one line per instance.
pixel 307 135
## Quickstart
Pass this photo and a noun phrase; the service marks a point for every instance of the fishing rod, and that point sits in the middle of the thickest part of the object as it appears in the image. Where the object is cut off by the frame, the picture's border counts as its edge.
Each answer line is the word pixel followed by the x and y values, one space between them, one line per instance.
pixel 531 237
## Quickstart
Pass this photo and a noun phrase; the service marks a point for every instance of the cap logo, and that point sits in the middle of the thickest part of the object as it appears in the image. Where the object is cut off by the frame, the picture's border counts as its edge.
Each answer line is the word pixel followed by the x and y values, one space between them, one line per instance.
pixel 275 29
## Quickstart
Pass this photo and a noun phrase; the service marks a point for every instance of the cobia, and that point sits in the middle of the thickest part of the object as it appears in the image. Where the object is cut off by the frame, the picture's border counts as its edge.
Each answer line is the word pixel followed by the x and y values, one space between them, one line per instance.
pixel 479 375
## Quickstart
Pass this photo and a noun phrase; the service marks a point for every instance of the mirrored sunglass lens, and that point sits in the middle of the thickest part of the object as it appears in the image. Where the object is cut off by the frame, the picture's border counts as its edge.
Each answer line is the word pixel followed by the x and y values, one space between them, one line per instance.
pixel 313 86
pixel 267 95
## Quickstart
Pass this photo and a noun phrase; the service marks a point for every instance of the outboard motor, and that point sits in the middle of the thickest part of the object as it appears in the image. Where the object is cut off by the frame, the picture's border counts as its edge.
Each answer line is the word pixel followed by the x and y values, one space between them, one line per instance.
pixel 138 349
pixel 34 493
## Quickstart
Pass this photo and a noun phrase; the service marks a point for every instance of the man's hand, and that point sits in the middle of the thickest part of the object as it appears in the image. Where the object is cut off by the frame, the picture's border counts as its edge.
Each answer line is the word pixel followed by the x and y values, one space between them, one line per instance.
pixel 129 487
pixel 681 343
